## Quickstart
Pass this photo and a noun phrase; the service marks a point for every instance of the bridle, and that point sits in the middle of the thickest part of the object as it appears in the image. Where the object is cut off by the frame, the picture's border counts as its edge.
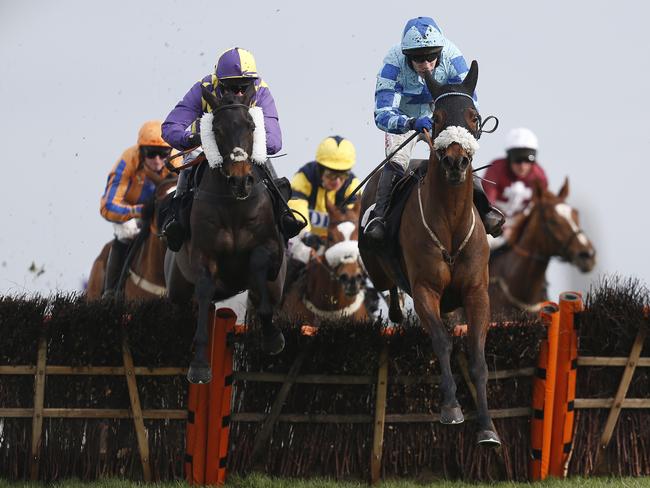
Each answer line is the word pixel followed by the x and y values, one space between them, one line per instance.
pixel 221 108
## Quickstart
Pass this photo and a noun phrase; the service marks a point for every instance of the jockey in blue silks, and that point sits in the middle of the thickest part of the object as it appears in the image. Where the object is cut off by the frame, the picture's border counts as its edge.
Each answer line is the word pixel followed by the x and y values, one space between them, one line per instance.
pixel 403 105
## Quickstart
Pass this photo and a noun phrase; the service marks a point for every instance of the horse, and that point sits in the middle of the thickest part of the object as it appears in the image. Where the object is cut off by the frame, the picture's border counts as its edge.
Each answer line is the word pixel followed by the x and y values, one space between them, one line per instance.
pixel 442 258
pixel 333 283
pixel 234 242
pixel 144 278
pixel 547 228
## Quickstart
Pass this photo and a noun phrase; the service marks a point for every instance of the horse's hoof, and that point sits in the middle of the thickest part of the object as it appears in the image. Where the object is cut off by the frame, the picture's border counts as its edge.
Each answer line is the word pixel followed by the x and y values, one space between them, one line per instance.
pixel 199 375
pixel 488 438
pixel 451 415
pixel 274 344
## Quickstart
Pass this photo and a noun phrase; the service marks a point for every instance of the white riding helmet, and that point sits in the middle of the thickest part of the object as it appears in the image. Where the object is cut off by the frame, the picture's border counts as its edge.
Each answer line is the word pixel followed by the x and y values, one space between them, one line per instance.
pixel 521 138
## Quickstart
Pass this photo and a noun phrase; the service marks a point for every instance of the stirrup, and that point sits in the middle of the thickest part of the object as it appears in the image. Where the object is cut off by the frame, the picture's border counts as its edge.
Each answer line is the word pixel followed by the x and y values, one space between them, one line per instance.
pixel 374 227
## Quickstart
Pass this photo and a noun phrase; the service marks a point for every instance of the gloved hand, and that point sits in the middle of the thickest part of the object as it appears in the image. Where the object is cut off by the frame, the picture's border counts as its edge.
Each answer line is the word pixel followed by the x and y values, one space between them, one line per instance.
pixel 312 240
pixel 422 123
pixel 193 140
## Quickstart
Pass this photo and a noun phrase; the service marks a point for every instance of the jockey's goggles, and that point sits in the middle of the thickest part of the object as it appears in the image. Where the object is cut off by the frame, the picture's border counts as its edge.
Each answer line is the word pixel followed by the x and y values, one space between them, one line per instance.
pixel 236 88
pixel 421 58
pixel 334 175
pixel 153 151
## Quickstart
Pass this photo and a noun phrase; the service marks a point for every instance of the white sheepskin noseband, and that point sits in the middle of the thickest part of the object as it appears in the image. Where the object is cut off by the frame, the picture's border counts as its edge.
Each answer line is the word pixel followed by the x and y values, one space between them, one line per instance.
pixel 459 135
pixel 211 150
pixel 342 252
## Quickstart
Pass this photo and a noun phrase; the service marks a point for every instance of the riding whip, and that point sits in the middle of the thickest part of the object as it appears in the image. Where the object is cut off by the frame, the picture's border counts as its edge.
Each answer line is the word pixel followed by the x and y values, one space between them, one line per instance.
pixel 374 171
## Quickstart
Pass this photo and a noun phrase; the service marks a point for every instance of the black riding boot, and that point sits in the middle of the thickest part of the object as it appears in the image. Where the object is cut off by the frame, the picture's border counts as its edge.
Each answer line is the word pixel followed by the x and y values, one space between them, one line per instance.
pixel 492 218
pixel 376 228
pixel 173 228
pixel 289 225
pixel 114 265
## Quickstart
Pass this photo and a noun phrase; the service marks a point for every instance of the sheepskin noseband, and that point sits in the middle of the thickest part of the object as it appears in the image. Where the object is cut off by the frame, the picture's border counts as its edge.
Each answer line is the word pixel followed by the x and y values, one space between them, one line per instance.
pixel 459 135
pixel 211 150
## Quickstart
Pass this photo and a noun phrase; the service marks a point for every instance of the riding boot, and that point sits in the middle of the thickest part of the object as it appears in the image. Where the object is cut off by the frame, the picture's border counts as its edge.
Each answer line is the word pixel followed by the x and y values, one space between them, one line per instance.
pixel 289 225
pixel 114 265
pixel 376 228
pixel 492 217
pixel 173 228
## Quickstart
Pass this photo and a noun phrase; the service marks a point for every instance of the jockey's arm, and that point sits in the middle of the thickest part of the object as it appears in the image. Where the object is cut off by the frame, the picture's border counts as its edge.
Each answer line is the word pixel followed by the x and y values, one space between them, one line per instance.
pixel 271 120
pixel 113 206
pixel 181 117
pixel 301 188
pixel 388 116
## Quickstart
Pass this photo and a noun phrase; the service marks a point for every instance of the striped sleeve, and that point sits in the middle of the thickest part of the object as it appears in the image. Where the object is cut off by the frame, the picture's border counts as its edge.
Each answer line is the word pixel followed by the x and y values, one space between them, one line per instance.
pixel 354 183
pixel 113 206
pixel 388 94
pixel 301 188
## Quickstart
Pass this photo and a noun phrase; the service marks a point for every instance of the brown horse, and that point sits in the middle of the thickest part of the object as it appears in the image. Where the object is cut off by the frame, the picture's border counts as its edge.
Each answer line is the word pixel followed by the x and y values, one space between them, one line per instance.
pixel 548 227
pixel 144 278
pixel 235 244
pixel 333 284
pixel 443 252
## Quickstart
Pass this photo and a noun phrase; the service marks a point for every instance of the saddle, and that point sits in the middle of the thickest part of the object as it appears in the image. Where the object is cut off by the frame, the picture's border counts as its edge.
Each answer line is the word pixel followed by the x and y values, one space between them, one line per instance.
pixel 391 249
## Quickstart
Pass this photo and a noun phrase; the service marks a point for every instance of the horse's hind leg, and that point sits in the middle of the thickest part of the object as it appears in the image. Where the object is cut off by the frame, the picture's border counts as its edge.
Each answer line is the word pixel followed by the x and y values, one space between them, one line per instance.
pixel 260 261
pixel 395 310
pixel 477 309
pixel 427 306
pixel 199 371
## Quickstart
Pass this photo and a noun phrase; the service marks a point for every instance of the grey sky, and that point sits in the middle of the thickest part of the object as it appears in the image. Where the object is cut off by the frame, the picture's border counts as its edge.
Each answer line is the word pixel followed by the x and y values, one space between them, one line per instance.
pixel 79 78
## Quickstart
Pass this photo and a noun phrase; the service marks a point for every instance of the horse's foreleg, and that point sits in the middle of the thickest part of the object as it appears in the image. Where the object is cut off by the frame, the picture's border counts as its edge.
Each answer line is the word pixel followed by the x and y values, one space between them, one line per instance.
pixel 260 263
pixel 199 371
pixel 395 310
pixel 427 306
pixel 477 308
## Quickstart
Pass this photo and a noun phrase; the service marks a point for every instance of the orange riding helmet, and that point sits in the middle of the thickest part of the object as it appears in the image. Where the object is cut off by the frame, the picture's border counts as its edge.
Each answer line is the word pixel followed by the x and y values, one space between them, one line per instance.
pixel 150 134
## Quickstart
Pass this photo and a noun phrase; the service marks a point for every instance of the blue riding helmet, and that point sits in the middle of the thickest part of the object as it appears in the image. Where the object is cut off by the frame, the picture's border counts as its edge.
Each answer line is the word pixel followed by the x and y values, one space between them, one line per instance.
pixel 421 32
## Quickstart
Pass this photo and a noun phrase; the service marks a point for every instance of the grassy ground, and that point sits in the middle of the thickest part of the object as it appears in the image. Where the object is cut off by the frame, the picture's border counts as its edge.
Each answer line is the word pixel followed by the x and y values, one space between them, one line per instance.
pixel 258 481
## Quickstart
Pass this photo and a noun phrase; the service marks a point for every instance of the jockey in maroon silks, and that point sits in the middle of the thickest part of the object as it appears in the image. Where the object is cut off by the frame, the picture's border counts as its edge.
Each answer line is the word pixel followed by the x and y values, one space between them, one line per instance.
pixel 510 180
pixel 236 73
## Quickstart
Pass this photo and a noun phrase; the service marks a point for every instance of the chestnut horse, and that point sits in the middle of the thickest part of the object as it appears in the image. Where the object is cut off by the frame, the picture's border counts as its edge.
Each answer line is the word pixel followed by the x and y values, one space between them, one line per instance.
pixel 333 284
pixel 144 278
pixel 548 227
pixel 235 244
pixel 443 251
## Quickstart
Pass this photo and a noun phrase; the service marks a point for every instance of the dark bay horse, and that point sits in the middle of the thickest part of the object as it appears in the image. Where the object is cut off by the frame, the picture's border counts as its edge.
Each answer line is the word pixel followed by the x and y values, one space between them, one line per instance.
pixel 548 228
pixel 144 278
pixel 333 285
pixel 443 251
pixel 235 244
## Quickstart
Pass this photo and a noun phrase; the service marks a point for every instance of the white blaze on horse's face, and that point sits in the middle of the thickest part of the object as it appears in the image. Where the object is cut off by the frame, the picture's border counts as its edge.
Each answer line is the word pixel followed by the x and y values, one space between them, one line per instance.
pixel 346 229
pixel 238 154
pixel 346 251
pixel 566 212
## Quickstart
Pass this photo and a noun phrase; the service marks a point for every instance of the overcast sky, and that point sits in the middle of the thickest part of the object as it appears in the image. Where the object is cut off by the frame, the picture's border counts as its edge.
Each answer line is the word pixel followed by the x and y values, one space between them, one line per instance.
pixel 79 78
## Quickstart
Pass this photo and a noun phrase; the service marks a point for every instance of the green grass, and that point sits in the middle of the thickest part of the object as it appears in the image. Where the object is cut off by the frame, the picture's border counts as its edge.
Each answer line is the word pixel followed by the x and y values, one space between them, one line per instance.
pixel 259 481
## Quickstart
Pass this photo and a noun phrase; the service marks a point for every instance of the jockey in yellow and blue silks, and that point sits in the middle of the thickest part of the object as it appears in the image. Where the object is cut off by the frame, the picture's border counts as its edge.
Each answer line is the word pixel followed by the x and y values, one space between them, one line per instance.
pixel 328 178
pixel 403 104
pixel 129 193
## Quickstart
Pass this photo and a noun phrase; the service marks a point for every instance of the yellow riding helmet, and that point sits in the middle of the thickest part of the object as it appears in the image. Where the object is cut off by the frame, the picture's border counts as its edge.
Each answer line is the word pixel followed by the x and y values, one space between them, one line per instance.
pixel 151 134
pixel 336 153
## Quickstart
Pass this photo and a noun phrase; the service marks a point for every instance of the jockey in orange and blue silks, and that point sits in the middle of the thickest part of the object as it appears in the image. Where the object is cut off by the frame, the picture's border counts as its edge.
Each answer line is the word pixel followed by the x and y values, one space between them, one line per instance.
pixel 235 72
pixel 129 193
pixel 403 102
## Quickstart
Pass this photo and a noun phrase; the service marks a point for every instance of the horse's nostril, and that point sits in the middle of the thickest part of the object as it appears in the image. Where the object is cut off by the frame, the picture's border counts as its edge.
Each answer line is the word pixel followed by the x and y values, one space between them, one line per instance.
pixel 249 180
pixel 344 278
pixel 585 255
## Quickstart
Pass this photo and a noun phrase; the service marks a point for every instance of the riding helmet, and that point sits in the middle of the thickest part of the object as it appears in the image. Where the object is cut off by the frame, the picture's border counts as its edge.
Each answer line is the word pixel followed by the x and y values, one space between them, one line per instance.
pixel 336 153
pixel 150 134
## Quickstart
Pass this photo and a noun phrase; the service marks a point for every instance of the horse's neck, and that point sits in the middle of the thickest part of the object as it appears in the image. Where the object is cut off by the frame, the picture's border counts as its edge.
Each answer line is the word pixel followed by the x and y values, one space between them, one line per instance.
pixel 452 205
pixel 149 262
pixel 324 292
pixel 524 273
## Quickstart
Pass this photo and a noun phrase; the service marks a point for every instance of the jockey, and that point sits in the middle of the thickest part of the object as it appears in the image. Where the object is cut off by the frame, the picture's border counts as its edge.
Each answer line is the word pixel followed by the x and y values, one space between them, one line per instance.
pixel 510 179
pixel 129 194
pixel 330 178
pixel 403 105
pixel 236 73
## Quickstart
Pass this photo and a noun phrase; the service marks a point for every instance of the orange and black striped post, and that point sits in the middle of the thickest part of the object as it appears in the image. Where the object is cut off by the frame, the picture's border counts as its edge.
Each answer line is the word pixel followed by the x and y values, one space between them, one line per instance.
pixel 565 383
pixel 543 394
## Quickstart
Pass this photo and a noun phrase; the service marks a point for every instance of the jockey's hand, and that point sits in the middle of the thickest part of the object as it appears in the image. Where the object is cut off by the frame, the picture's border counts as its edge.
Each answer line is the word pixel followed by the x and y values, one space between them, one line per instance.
pixel 422 123
pixel 193 140
pixel 312 240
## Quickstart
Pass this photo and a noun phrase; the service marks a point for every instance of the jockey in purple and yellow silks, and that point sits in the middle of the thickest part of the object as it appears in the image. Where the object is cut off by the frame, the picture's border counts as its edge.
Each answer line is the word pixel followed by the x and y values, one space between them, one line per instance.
pixel 129 193
pixel 235 72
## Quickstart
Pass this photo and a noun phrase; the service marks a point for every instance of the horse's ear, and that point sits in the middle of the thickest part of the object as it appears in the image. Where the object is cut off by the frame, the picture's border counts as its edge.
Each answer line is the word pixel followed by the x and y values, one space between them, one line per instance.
pixel 564 191
pixel 210 98
pixel 434 87
pixel 538 190
pixel 472 78
pixel 249 95
pixel 356 208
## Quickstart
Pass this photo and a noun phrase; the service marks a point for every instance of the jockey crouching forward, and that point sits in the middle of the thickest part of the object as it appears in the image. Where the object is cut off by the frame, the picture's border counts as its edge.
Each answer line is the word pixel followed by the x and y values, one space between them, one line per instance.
pixel 510 180
pixel 129 195
pixel 328 178
pixel 403 105
pixel 236 73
